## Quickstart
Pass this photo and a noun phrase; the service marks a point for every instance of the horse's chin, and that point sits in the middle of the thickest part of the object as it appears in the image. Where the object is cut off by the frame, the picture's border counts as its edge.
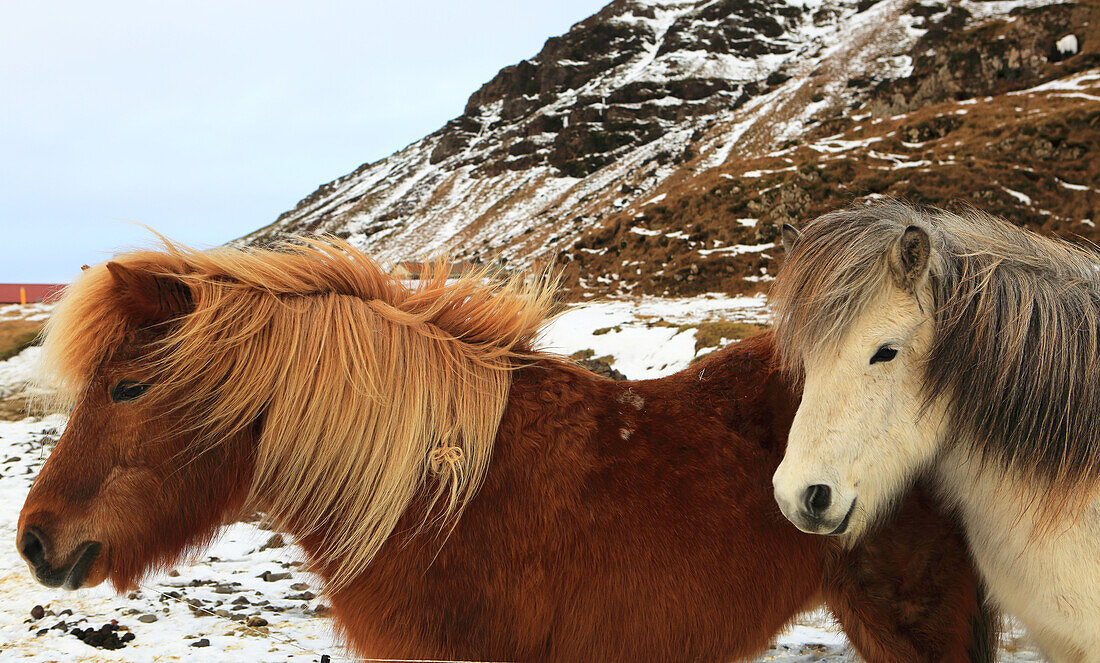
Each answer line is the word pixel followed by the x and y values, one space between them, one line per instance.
pixel 857 528
pixel 98 571
pixel 850 525
pixel 85 569
pixel 863 522
pixel 845 525
pixel 90 567
pixel 123 575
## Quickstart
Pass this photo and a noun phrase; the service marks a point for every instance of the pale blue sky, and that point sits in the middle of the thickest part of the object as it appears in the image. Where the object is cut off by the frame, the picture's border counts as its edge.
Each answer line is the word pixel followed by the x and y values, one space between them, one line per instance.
pixel 206 120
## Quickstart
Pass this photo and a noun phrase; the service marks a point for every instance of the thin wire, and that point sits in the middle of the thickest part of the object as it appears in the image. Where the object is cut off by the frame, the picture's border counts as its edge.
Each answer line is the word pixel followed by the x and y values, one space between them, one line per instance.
pixel 287 640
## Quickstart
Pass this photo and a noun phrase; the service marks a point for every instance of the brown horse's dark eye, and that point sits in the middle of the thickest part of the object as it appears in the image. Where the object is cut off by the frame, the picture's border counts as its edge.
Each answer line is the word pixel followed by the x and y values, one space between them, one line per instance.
pixel 885 353
pixel 127 390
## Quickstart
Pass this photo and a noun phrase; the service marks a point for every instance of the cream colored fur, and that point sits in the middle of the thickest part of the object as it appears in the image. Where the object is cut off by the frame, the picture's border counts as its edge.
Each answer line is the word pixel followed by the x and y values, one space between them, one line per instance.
pixel 851 407
pixel 1047 575
pixel 861 429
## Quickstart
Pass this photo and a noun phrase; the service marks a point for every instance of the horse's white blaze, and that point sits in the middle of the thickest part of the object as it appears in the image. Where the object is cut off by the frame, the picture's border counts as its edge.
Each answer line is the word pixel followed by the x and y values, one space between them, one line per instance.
pixel 860 429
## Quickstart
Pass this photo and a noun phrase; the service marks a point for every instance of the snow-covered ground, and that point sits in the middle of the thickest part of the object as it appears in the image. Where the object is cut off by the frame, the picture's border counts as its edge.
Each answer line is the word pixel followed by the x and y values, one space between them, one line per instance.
pixel 223 586
pixel 244 579
pixel 649 336
pixel 16 373
pixel 31 312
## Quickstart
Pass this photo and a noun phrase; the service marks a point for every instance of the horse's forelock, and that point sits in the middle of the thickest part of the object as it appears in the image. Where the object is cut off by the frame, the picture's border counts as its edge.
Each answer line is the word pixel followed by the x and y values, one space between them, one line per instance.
pixel 84 328
pixel 837 265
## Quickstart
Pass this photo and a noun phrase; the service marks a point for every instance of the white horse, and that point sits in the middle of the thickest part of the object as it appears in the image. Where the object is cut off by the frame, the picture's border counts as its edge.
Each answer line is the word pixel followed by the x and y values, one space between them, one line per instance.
pixel 962 345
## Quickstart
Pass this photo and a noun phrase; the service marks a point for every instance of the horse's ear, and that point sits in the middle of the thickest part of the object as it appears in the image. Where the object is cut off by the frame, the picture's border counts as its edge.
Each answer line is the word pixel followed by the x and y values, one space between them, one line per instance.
pixel 150 298
pixel 910 257
pixel 790 235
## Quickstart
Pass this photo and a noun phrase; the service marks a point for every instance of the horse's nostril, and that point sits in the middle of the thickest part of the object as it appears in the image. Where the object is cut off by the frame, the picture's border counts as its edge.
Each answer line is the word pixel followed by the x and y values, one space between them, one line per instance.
pixel 32 548
pixel 817 499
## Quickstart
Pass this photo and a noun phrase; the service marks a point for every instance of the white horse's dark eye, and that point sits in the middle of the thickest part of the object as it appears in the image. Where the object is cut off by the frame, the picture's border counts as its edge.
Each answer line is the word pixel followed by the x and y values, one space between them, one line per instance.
pixel 127 390
pixel 885 353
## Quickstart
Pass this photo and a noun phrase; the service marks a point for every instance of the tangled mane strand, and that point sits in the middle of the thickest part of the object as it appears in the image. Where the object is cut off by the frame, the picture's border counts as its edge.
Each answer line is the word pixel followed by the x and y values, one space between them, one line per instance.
pixel 1017 327
pixel 369 391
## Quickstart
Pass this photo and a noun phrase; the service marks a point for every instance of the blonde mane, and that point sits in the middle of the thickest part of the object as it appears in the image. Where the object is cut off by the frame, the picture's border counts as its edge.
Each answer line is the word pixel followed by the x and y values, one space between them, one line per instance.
pixel 367 392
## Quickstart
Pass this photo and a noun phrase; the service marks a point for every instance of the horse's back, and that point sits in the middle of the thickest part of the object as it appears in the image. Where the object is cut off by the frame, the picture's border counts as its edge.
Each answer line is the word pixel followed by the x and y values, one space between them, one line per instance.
pixel 618 521
pixel 662 489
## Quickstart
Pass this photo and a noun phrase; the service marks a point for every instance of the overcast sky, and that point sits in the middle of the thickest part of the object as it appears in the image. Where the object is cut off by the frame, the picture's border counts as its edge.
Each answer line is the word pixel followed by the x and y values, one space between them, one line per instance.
pixel 206 120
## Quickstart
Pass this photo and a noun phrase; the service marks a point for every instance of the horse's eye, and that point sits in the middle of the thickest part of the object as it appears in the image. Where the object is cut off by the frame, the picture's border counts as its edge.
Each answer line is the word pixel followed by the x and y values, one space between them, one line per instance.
pixel 885 353
pixel 127 390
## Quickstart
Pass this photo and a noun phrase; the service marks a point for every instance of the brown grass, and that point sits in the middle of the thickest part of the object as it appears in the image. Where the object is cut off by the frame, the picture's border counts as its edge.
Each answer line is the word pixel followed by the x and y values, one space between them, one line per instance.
pixel 16 336
pixel 711 334
pixel 15 408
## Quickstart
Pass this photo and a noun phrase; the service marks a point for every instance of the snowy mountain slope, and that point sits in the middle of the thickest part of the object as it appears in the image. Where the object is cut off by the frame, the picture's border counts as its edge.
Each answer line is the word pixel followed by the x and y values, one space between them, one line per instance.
pixel 1028 155
pixel 650 96
pixel 601 115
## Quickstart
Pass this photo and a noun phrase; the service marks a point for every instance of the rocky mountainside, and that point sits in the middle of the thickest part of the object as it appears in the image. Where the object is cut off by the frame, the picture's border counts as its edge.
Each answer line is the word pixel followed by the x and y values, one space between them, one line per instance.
pixel 656 146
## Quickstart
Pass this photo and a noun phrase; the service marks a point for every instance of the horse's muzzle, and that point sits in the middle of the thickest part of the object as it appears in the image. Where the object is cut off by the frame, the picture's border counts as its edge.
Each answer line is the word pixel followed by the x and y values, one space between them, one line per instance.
pixel 34 546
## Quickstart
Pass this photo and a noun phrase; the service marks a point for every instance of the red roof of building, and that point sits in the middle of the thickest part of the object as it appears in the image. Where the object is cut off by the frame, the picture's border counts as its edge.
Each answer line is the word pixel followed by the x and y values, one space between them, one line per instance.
pixel 34 292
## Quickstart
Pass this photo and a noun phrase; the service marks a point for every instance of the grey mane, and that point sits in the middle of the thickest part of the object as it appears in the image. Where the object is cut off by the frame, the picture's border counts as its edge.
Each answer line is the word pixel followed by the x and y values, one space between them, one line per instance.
pixel 1017 326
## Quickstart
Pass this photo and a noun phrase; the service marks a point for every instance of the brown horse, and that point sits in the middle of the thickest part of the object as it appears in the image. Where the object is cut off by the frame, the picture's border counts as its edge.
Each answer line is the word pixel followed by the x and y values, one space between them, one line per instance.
pixel 463 496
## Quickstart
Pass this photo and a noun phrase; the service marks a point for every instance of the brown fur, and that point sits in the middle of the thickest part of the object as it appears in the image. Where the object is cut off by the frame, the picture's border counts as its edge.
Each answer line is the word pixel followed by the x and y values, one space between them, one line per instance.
pixel 581 543
pixel 314 339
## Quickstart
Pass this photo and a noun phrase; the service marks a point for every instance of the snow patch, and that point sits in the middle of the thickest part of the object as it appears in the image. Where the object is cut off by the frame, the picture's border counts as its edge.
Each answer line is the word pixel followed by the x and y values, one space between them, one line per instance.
pixel 1022 197
pixel 17 373
pixel 1067 45
pixel 738 249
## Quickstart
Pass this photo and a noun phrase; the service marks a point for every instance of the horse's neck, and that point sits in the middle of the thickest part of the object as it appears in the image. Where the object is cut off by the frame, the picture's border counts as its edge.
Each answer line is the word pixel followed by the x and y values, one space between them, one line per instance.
pixel 1007 516
pixel 993 499
pixel 1036 555
pixel 741 383
pixel 983 494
